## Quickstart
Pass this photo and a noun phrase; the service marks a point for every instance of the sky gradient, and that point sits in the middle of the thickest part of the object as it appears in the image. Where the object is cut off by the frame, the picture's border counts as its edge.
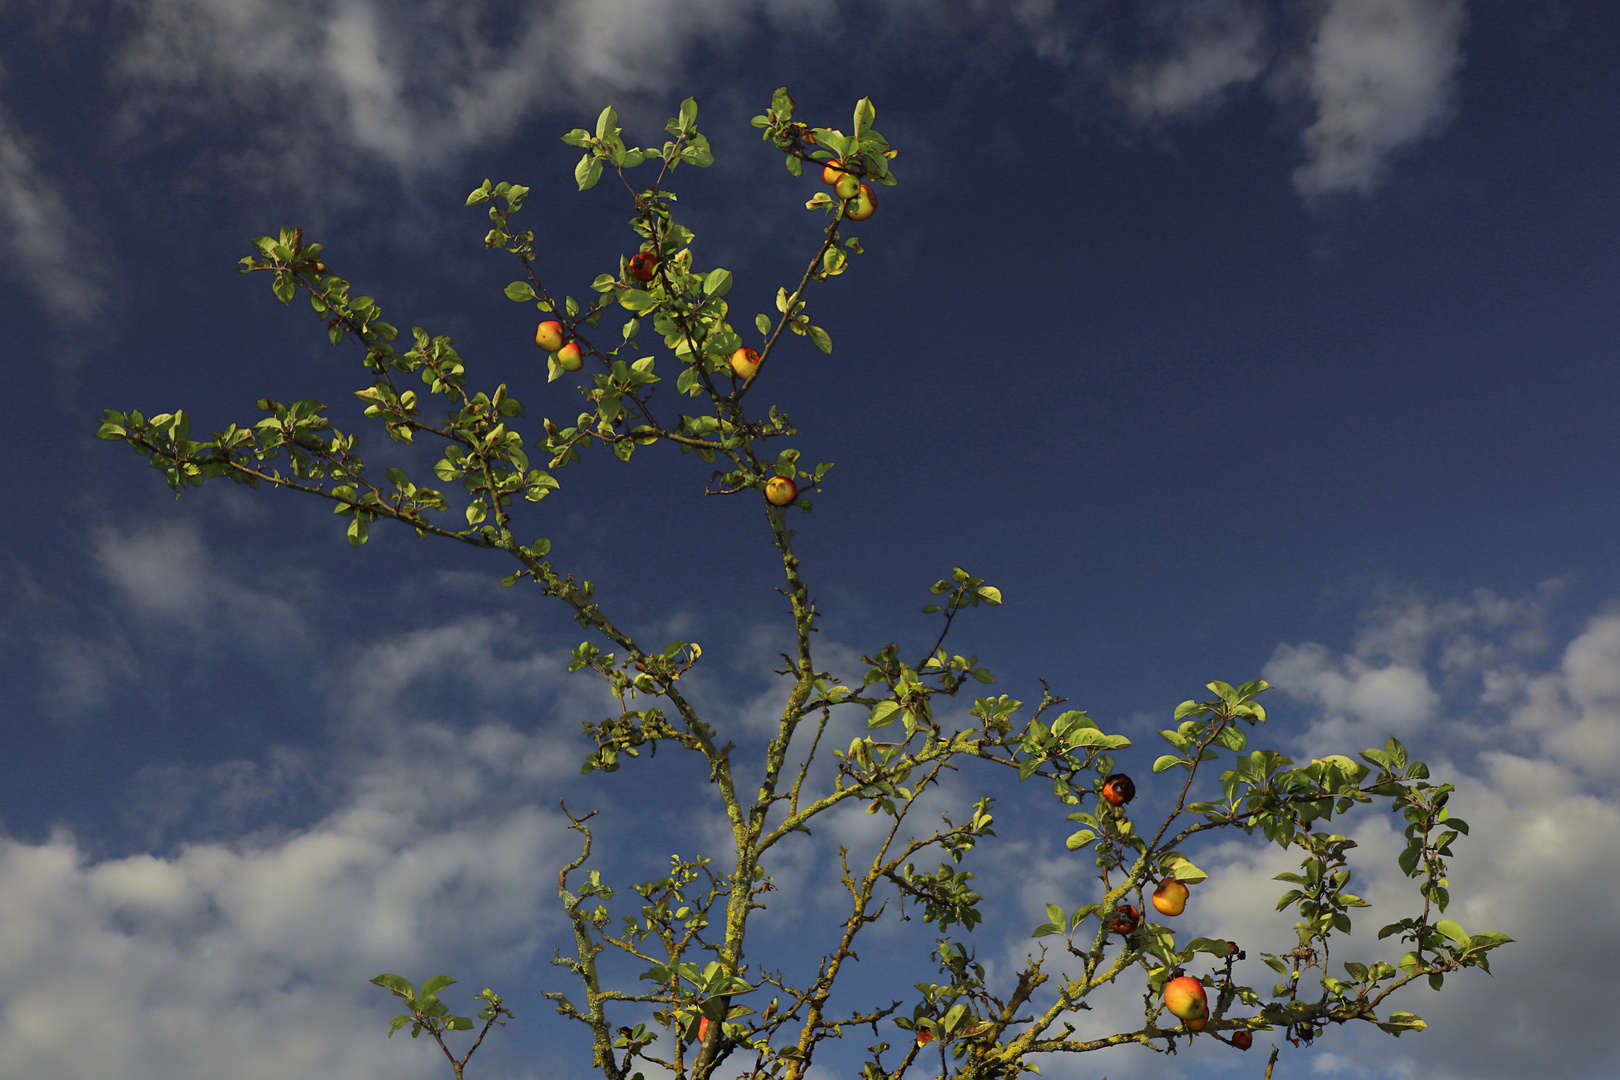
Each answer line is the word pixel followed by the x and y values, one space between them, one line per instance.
pixel 1230 339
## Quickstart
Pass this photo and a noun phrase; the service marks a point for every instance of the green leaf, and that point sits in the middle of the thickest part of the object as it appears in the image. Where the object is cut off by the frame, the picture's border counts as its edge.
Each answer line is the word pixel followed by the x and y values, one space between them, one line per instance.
pixel 1168 761
pixel 822 339
pixel 1452 931
pixel 521 291
pixel 1402 1021
pixel 1079 840
pixel 588 171
pixel 717 284
pixel 864 115
pixel 395 983
pixel 434 985
pixel 988 593
pixel 762 323
pixel 638 301
pixel 883 714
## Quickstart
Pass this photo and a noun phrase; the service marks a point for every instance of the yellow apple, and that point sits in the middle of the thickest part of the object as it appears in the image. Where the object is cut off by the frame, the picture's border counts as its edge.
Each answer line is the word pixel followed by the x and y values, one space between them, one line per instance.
pixel 1170 898
pixel 830 173
pixel 1185 999
pixel 847 187
pixel 549 336
pixel 569 357
pixel 863 206
pixel 745 362
pixel 779 491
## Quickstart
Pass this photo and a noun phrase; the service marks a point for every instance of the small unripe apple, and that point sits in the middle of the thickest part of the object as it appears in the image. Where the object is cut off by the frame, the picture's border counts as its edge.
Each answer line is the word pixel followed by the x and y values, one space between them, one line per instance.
pixel 549 336
pixel 1126 919
pixel 779 491
pixel 1185 998
pixel 1242 1040
pixel 570 358
pixel 1118 789
pixel 643 265
pixel 1170 898
pixel 863 206
pixel 848 186
pixel 745 362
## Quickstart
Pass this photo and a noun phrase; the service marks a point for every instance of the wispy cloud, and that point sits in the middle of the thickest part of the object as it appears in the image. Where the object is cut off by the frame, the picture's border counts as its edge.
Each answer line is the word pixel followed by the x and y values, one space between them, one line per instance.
pixel 1213 46
pixel 1382 75
pixel 42 243
pixel 362 81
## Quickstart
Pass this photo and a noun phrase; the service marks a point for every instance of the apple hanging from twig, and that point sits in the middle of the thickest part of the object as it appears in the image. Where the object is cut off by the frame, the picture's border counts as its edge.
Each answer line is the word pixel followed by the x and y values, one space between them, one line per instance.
pixel 549 335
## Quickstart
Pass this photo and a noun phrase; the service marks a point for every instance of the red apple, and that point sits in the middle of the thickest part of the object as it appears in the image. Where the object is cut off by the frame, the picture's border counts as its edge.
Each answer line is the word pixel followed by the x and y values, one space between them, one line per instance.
pixel 1185 998
pixel 863 206
pixel 1196 1025
pixel 779 491
pixel 570 358
pixel 924 1037
pixel 703 1028
pixel 1126 919
pixel 1118 789
pixel 1170 898
pixel 1242 1040
pixel 643 265
pixel 549 336
pixel 745 362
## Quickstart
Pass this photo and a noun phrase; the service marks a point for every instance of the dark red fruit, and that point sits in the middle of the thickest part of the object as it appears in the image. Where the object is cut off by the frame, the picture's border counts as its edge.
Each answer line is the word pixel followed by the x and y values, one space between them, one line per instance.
pixel 1118 790
pixel 643 265
pixel 1126 919
pixel 1242 1040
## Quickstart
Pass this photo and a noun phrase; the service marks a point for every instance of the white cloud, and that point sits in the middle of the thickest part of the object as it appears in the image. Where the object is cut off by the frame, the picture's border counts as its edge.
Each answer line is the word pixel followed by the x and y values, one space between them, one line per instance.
pixel 1382 74
pixel 42 244
pixel 1215 45
pixel 1574 712
pixel 164 572
pixel 1542 862
pixel 252 958
pixel 410 90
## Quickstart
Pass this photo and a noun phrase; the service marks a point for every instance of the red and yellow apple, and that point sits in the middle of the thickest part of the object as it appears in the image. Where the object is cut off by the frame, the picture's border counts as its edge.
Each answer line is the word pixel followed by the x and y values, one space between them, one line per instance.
pixel 703 1028
pixel 1196 1025
pixel 830 173
pixel 643 265
pixel 1118 789
pixel 1127 917
pixel 779 491
pixel 1242 1040
pixel 1170 898
pixel 1185 998
pixel 924 1037
pixel 862 206
pixel 549 335
pixel 570 357
pixel 745 362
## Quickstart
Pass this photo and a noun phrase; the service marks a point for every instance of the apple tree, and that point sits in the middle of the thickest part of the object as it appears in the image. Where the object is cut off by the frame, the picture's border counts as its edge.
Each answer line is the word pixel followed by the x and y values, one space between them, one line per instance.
pixel 684 373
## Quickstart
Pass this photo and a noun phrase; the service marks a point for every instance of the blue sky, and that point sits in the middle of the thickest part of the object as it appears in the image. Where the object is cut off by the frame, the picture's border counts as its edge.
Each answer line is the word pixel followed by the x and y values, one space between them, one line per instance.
pixel 1228 338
